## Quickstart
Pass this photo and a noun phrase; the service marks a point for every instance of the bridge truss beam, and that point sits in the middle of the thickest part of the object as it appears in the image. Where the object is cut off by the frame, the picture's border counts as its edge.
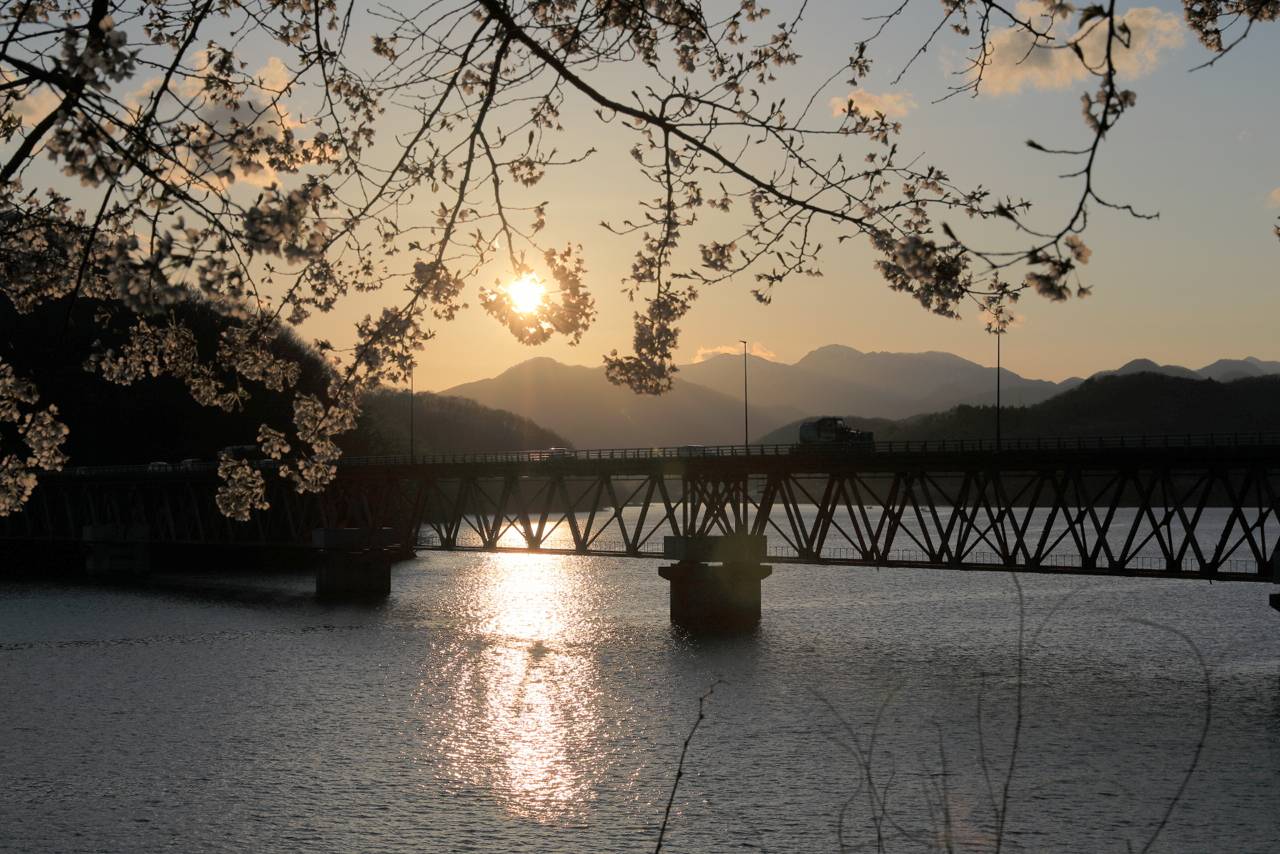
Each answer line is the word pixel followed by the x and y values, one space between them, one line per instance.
pixel 1216 522
pixel 1185 513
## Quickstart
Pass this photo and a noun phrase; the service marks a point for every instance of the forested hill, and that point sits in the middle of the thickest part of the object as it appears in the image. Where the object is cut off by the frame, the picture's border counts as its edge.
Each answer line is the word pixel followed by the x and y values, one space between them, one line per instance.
pixel 156 419
pixel 442 424
pixel 1132 404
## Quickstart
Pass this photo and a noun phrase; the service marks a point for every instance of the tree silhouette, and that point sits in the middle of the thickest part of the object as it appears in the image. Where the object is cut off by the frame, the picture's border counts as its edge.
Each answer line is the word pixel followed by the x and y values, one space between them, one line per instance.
pixel 151 156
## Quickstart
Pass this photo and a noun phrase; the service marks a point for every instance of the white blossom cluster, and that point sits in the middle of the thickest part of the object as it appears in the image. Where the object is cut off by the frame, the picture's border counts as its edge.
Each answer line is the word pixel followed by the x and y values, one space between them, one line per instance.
pixel 243 489
pixel 40 436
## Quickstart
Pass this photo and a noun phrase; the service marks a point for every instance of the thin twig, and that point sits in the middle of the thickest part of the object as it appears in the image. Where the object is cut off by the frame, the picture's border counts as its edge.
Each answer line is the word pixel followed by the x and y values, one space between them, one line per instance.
pixel 1204 728
pixel 1017 719
pixel 947 833
pixel 684 750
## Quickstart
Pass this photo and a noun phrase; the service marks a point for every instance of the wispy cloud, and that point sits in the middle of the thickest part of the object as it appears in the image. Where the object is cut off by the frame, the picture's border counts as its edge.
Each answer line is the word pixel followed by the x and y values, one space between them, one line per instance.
pixel 894 105
pixel 1016 65
pixel 760 350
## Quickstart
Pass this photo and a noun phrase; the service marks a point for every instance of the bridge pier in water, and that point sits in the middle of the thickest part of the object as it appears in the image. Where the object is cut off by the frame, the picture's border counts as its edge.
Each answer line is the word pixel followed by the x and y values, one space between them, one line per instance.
pixel 715 597
pixel 116 551
pixel 719 598
pixel 352 564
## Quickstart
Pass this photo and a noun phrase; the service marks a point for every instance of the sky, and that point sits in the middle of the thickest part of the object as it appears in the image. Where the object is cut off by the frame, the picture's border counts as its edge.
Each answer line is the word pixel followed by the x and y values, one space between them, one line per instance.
pixel 1193 286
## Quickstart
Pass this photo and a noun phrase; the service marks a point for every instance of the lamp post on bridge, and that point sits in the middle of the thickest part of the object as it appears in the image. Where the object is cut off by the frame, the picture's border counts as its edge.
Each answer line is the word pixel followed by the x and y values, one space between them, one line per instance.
pixel 999 335
pixel 746 431
pixel 411 407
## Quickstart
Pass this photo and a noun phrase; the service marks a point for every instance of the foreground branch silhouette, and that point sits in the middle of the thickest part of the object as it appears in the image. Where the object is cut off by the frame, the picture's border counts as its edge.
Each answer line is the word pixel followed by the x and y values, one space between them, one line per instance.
pixel 273 159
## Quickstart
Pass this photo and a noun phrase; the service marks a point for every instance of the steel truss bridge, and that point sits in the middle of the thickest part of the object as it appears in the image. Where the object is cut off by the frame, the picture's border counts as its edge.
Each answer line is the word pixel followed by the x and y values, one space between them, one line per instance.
pixel 1174 506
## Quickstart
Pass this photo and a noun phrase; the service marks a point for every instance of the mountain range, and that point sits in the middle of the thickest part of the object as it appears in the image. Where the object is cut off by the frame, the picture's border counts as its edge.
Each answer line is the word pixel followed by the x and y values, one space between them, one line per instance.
pixel 580 403
pixel 705 404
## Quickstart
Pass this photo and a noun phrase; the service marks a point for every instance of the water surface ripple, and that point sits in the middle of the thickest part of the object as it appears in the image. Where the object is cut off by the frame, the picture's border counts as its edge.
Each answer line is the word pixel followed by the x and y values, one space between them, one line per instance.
pixel 503 702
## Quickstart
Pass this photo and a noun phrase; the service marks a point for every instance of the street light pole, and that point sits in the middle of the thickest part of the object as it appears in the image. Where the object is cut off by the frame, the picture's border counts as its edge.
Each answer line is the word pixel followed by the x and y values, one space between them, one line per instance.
pixel 999 335
pixel 746 431
pixel 411 403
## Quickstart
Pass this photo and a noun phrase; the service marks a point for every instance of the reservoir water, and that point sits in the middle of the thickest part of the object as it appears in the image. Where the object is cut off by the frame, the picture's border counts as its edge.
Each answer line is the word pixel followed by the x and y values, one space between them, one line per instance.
pixel 509 702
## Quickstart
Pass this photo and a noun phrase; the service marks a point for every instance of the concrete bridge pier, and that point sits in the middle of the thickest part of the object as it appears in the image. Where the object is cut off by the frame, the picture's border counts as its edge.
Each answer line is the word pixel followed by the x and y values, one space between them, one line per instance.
pixel 715 597
pixel 1275 576
pixel 352 564
pixel 116 551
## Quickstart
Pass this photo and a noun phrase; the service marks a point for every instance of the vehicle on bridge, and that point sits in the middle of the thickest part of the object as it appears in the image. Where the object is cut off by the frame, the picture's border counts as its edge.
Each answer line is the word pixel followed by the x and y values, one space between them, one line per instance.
pixel 831 433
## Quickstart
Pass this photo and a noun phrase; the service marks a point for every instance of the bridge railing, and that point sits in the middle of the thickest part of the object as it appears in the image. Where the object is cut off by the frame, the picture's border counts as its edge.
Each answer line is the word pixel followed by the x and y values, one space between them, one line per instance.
pixel 691 452
pixel 913 446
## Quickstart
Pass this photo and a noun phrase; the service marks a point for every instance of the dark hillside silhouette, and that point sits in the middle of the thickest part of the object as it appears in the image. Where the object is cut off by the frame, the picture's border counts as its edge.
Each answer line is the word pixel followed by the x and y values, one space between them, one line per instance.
pixel 442 424
pixel 154 420
pixel 157 420
pixel 1122 404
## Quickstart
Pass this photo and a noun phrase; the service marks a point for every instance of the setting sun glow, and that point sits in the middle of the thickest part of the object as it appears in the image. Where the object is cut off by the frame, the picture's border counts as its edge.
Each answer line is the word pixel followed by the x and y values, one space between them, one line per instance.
pixel 526 293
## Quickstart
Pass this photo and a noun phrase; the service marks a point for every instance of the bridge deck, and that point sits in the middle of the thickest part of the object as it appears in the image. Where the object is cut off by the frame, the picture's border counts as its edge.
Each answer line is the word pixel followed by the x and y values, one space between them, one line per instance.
pixel 878 456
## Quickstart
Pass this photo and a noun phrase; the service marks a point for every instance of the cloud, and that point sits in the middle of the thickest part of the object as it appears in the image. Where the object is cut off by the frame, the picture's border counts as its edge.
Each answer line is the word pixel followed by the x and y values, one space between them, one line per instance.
pixel 274 76
pixel 1016 65
pixel 36 101
pixel 208 160
pixel 760 350
pixel 1273 198
pixel 894 105
pixel 37 104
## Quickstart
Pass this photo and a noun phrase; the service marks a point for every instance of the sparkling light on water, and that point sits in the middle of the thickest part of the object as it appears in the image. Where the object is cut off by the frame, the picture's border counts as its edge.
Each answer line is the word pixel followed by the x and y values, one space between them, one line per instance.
pixel 523 696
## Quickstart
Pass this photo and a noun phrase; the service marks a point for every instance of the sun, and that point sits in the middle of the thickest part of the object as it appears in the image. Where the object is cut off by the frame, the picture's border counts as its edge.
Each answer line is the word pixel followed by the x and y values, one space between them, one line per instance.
pixel 526 294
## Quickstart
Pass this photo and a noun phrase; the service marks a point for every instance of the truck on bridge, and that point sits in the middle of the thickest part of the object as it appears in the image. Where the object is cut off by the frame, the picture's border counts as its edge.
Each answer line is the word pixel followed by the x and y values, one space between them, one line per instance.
pixel 829 431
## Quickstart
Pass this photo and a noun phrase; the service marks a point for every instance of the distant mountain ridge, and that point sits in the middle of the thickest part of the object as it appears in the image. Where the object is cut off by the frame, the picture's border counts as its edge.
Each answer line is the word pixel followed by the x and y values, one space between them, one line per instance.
pixel 705 406
pixel 580 403
pixel 1223 370
pixel 836 378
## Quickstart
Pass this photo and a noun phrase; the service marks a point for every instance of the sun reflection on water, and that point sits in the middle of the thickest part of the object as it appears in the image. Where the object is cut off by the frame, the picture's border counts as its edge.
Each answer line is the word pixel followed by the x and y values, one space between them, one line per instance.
pixel 524 722
pixel 553 536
